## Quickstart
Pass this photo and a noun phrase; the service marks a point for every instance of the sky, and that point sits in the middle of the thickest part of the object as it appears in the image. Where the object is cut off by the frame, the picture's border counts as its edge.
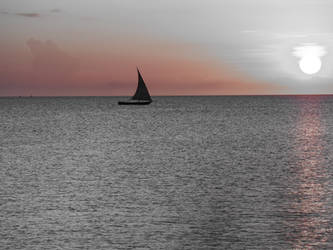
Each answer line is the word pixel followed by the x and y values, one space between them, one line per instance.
pixel 182 47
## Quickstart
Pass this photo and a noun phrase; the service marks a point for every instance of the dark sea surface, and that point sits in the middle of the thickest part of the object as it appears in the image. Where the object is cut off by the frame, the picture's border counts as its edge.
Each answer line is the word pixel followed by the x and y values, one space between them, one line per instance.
pixel 182 173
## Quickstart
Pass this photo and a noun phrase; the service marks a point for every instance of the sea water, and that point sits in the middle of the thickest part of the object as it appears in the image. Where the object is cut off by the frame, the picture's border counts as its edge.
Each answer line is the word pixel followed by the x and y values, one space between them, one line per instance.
pixel 227 172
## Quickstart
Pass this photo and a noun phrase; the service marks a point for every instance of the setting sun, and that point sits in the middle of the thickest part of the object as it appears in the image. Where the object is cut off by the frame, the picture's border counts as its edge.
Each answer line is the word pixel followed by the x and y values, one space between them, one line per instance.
pixel 310 65
pixel 310 62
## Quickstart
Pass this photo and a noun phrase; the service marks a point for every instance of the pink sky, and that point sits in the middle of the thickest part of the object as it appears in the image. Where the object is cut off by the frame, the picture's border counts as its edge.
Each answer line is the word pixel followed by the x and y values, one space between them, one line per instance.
pixel 44 68
pixel 182 47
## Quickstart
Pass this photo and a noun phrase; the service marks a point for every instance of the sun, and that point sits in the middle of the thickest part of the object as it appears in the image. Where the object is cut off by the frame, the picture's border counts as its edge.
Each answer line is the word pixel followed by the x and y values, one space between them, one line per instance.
pixel 310 65
pixel 310 58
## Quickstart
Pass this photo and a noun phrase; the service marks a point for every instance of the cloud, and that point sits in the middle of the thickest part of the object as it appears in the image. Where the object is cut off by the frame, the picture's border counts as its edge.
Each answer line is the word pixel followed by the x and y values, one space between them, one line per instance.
pixel 28 14
pixel 23 14
pixel 55 10
pixel 50 62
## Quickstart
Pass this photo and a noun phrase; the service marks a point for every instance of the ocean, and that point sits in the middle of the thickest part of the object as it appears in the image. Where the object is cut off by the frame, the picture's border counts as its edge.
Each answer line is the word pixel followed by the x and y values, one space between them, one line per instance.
pixel 218 172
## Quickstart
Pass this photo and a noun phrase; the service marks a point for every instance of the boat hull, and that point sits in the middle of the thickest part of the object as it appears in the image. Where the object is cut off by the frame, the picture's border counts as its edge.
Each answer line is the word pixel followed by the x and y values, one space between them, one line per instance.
pixel 135 103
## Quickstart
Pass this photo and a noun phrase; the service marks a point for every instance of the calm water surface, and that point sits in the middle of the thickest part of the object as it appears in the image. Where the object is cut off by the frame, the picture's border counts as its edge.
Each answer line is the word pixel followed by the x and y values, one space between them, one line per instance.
pixel 181 173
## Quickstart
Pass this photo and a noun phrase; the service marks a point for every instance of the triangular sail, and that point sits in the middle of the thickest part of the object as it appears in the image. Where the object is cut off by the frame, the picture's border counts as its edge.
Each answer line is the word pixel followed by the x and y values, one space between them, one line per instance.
pixel 142 91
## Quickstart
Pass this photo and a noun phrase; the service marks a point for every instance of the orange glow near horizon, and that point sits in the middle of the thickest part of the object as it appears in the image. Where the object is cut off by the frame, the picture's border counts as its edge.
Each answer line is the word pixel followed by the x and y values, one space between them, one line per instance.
pixel 44 68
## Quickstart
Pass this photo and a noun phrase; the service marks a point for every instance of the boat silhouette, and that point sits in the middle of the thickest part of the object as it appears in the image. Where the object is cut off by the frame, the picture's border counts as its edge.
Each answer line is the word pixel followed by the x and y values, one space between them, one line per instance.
pixel 141 96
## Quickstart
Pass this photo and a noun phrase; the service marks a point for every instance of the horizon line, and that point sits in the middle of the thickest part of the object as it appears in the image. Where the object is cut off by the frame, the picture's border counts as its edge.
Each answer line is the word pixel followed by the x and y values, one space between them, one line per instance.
pixel 40 96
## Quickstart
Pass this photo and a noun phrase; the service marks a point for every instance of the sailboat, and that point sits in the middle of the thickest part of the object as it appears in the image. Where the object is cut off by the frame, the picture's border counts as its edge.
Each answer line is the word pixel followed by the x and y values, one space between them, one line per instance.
pixel 141 96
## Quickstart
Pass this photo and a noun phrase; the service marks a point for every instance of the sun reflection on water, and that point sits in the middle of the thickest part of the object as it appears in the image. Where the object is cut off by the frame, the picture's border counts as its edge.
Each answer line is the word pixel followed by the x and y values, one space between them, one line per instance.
pixel 307 220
